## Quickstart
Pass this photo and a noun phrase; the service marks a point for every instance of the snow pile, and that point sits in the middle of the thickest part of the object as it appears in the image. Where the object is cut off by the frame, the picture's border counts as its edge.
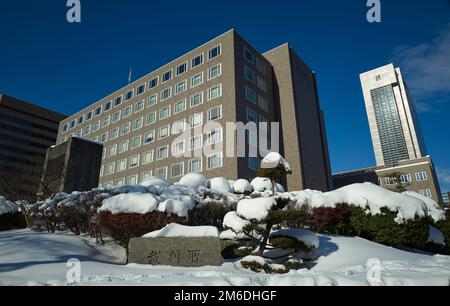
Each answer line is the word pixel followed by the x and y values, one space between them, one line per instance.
pixel 177 230
pixel 309 238
pixel 436 236
pixel 242 186
pixel 139 203
pixel 258 259
pixel 220 184
pixel 7 207
pixel 255 209
pixel 371 196
pixel 194 180
pixel 273 160
pixel 233 221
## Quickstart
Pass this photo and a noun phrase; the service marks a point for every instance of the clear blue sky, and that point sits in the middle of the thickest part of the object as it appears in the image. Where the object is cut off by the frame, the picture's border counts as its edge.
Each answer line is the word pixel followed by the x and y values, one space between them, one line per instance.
pixel 66 67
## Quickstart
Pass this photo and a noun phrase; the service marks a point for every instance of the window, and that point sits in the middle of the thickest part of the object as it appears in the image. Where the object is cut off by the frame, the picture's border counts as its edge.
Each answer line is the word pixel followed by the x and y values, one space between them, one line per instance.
pixel 150 118
pixel 196 120
pixel 166 76
pixel 132 179
pixel 196 99
pixel 250 95
pixel 140 90
pixel 72 124
pixel 149 137
pixel 405 178
pixel 146 175
pixel 263 104
pixel 250 74
pixel 162 152
pixel 214 71
pixel 164 112
pixel 178 148
pixel 195 165
pixel 96 126
pixel 105 121
pixel 129 95
pixel 253 163
pixel 80 120
pixel 122 165
pixel 104 137
pixel 152 100
pixel 153 83
pixel 135 142
pixel 426 193
pixel 77 133
pixel 98 111
pixel 214 136
pixel 166 94
pixel 177 170
pixel 87 130
pixel 421 176
pixel 261 83
pixel 260 66
pixel 249 56
pixel 109 169
pixel 197 61
pixel 116 117
pixel 134 161
pixel 179 106
pixel 101 170
pixel 214 161
pixel 197 80
pixel 215 92
pixel 196 142
pixel 251 115
pixel 107 106
pixel 139 106
pixel 182 68
pixel 111 151
pixel 163 132
pixel 89 116
pixel 126 112
pixel 179 126
pixel 214 52
pixel 147 157
pixel 119 182
pixel 118 101
pixel 181 87
pixel 123 146
pixel 161 172
pixel 252 138
pixel 95 138
pixel 137 123
pixel 125 129
pixel 215 113
pixel 66 127
pixel 114 133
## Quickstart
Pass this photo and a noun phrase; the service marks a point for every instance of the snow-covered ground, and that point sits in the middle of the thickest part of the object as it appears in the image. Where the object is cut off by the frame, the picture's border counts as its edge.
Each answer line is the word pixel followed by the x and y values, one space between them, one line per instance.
pixel 31 258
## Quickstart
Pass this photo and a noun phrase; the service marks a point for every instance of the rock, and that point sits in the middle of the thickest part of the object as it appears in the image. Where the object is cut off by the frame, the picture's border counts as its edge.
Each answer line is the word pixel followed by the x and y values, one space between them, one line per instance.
pixel 176 251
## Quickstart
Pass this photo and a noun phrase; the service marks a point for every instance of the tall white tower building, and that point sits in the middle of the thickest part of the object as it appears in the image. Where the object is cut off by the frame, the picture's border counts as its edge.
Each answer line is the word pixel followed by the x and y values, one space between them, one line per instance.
pixel 394 125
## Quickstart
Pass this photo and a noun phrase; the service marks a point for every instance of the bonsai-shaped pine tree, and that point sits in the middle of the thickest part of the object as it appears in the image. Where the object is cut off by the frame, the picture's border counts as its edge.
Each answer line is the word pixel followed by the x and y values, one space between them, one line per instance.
pixel 274 167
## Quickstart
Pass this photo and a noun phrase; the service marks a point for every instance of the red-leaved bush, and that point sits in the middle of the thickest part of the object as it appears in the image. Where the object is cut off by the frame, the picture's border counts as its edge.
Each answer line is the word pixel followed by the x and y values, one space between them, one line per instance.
pixel 334 221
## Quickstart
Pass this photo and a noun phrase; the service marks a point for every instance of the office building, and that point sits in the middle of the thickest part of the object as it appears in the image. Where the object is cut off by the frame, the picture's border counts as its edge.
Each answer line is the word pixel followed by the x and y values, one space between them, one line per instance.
pixel 26 131
pixel 225 80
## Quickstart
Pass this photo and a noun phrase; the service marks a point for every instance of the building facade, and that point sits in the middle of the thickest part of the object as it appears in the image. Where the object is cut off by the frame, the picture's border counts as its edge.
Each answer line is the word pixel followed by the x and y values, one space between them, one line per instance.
pixel 418 175
pixel 446 198
pixel 26 131
pixel 143 125
pixel 394 125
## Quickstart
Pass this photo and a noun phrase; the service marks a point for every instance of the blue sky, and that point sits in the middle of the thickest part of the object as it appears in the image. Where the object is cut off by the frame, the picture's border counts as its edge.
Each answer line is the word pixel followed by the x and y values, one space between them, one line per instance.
pixel 66 67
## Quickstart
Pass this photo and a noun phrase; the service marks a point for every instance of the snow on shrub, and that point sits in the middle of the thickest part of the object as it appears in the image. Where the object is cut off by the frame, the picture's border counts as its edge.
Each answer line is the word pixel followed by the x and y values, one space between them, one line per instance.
pixel 7 207
pixel 255 209
pixel 242 186
pixel 139 203
pixel 273 160
pixel 10 215
pixel 158 183
pixel 259 264
pixel 261 184
pixel 177 230
pixel 220 184
pixel 308 238
pixel 373 197
pixel 194 180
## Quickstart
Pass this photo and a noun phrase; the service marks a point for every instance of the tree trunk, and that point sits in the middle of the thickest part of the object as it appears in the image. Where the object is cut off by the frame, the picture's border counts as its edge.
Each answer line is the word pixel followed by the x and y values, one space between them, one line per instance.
pixel 263 244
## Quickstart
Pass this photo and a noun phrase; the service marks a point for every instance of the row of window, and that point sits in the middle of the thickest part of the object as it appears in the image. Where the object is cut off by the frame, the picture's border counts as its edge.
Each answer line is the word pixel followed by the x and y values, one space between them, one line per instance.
pixel 213 114
pixel 196 80
pixel 406 178
pixel 195 165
